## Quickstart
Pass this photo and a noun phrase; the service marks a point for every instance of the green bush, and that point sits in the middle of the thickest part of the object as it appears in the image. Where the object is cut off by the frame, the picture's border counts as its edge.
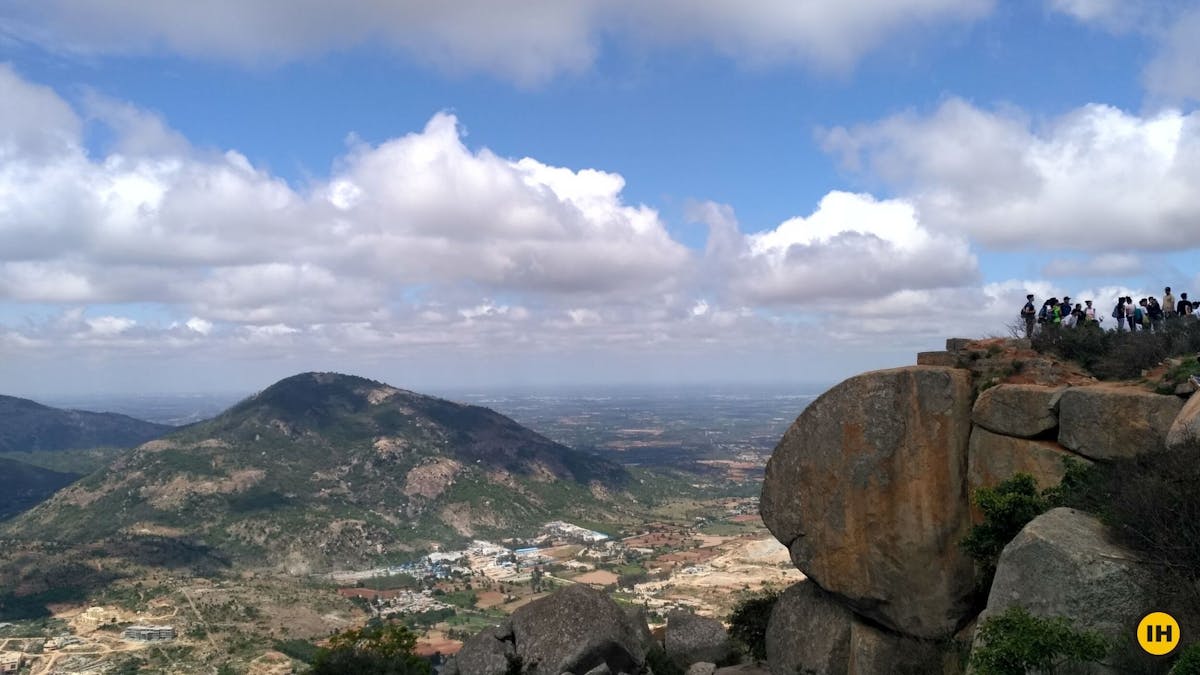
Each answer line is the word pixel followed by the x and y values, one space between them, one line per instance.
pixel 748 623
pixel 1006 509
pixel 1016 642
pixel 382 648
pixel 1188 662
pixel 1110 355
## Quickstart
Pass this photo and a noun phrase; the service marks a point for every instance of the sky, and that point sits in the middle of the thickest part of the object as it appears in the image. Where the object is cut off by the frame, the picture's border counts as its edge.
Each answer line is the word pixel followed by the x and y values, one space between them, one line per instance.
pixel 213 196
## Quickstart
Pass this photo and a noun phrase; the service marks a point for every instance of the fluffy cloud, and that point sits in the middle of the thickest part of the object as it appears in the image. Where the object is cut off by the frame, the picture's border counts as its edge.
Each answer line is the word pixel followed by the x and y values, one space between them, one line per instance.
pixel 852 247
pixel 529 41
pixel 157 221
pixel 1172 74
pixel 1096 179
pixel 1171 26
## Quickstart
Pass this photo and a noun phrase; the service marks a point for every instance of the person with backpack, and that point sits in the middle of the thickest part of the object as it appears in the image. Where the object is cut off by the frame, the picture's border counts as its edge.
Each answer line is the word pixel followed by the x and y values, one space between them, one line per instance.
pixel 1118 313
pixel 1156 314
pixel 1028 315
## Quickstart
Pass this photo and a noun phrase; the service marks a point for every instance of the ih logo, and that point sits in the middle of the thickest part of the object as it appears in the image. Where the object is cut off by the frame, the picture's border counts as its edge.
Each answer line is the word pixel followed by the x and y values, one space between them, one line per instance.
pixel 1158 633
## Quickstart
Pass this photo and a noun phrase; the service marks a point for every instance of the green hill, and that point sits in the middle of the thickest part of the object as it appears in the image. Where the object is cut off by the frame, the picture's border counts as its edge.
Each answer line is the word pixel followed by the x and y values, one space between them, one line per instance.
pixel 23 486
pixel 323 470
pixel 27 426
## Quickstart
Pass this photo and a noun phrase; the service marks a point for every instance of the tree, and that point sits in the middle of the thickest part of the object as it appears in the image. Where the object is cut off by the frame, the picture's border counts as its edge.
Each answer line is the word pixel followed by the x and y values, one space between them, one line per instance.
pixel 378 649
pixel 748 623
pixel 1016 642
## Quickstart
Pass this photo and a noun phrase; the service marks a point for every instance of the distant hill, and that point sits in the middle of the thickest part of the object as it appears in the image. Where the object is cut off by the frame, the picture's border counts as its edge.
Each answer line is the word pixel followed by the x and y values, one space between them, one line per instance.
pixel 27 426
pixel 23 486
pixel 325 469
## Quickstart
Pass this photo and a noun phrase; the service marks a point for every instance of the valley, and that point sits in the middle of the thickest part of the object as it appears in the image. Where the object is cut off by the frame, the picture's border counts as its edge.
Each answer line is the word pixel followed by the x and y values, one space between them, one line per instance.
pixel 681 531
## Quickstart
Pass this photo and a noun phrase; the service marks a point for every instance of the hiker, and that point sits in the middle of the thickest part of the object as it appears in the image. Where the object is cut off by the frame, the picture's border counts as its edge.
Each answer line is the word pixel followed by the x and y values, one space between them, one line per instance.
pixel 1119 314
pixel 1139 315
pixel 1029 315
pixel 1089 314
pixel 1184 307
pixel 1156 314
pixel 1129 313
pixel 1168 304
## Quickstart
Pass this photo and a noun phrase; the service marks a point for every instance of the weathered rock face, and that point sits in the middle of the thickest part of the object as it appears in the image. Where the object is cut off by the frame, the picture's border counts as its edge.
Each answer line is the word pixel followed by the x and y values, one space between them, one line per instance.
pixel 994 458
pixel 1185 430
pixel 1024 410
pixel 1064 564
pixel 945 359
pixel 486 653
pixel 876 652
pixel 1111 422
pixel 575 630
pixel 867 489
pixel 809 630
pixel 690 639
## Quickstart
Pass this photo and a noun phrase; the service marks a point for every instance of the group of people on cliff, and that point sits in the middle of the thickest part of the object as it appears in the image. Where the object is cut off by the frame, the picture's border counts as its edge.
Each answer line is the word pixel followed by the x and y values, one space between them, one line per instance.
pixel 1146 314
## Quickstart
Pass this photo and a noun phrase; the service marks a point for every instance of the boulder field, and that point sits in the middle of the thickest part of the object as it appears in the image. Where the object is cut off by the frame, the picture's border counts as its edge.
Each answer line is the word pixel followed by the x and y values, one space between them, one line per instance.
pixel 870 490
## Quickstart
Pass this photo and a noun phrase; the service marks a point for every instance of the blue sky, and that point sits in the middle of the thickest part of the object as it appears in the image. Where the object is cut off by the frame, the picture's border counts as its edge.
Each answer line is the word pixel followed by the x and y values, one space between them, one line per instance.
pixel 455 195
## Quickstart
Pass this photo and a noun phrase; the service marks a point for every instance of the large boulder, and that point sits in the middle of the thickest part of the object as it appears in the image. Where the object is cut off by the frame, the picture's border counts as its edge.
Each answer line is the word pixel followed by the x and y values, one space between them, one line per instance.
pixel 486 653
pixel 867 489
pixel 878 652
pixel 1064 564
pixel 809 631
pixel 575 630
pixel 1024 410
pixel 993 459
pixel 1111 422
pixel 690 638
pixel 1185 430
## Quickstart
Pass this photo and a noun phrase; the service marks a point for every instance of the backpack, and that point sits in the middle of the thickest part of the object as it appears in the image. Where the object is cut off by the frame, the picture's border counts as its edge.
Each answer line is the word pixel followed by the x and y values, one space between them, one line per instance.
pixel 1118 311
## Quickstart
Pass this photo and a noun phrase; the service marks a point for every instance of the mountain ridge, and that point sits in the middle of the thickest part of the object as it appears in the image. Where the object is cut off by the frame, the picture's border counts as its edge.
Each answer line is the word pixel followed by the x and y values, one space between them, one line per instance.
pixel 29 426
pixel 325 469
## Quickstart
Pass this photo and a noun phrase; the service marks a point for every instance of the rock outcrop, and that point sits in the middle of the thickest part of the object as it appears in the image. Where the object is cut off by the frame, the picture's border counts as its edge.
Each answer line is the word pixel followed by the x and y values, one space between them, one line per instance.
pixel 1064 564
pixel 575 630
pixel 809 631
pixel 1022 410
pixel 1110 422
pixel 812 632
pixel 690 639
pixel 1185 430
pixel 867 489
pixel 994 458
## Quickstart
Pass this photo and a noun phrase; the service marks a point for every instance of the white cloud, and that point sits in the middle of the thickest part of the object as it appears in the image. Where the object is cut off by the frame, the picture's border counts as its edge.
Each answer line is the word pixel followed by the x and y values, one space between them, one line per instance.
pixel 1096 179
pixel 1172 27
pixel 1173 73
pixel 199 325
pixel 157 221
pixel 852 246
pixel 1106 265
pixel 528 41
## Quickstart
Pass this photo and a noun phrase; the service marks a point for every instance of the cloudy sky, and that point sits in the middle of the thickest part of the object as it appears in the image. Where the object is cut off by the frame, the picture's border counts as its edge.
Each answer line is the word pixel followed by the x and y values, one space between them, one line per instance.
pixel 210 196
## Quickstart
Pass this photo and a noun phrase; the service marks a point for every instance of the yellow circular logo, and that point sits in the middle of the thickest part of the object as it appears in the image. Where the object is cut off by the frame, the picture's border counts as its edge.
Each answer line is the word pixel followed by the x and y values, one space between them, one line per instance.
pixel 1158 633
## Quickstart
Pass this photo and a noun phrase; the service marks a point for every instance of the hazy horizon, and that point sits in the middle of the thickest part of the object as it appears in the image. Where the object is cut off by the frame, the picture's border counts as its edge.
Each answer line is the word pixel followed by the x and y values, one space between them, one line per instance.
pixel 463 194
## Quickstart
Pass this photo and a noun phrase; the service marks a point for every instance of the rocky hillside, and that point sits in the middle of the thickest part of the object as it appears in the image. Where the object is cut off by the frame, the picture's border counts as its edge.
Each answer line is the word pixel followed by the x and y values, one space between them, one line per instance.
pixel 871 491
pixel 322 469
pixel 26 426
pixel 24 485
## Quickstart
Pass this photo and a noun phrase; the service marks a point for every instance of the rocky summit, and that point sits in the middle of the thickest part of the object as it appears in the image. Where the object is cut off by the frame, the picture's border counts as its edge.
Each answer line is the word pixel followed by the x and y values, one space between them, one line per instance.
pixel 323 469
pixel 871 491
